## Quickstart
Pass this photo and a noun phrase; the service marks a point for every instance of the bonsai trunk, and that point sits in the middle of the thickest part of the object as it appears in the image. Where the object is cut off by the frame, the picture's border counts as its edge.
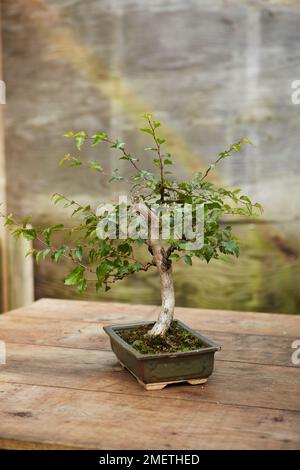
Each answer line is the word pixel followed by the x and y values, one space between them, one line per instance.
pixel 164 267
pixel 166 314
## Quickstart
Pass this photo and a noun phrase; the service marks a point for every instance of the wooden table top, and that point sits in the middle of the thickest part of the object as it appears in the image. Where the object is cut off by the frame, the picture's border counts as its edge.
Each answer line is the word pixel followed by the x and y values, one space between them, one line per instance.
pixel 62 387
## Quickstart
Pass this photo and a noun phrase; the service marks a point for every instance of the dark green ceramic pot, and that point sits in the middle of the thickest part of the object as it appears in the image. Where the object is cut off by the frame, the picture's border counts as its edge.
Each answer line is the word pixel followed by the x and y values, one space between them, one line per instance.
pixel 155 371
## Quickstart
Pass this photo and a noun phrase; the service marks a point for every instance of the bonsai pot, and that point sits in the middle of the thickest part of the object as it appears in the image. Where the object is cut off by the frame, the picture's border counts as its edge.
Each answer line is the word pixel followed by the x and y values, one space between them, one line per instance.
pixel 155 371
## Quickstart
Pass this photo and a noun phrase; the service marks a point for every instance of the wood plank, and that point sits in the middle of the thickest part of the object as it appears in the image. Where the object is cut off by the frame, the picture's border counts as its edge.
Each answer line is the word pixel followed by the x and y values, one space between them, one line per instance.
pixel 88 311
pixel 217 320
pixel 45 416
pixel 90 335
pixel 63 388
pixel 231 383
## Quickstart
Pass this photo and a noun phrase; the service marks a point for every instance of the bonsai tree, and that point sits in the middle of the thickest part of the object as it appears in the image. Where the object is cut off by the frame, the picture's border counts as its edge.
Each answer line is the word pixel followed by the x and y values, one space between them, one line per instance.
pixel 105 260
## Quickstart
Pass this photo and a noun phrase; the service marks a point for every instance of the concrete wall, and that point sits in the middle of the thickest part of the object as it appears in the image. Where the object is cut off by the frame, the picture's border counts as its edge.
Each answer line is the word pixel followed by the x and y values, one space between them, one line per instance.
pixel 211 71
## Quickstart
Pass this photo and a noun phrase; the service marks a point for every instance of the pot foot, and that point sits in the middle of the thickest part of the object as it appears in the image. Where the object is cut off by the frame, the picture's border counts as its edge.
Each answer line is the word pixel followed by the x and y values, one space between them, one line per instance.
pixel 156 386
pixel 197 381
pixel 161 385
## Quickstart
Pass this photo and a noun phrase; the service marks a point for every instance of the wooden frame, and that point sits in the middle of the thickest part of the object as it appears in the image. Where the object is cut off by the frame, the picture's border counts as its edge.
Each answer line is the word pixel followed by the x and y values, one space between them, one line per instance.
pixel 4 303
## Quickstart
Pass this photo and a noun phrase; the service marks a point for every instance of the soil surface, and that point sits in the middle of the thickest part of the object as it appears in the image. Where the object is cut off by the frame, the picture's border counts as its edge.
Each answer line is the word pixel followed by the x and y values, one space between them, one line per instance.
pixel 176 339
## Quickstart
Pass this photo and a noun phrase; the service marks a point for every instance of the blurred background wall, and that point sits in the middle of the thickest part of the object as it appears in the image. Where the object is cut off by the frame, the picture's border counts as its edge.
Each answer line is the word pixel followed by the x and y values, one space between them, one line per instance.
pixel 212 72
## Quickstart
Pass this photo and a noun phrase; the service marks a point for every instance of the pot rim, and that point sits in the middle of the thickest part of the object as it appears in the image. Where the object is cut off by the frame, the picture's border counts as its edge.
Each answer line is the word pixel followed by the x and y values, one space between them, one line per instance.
pixel 111 331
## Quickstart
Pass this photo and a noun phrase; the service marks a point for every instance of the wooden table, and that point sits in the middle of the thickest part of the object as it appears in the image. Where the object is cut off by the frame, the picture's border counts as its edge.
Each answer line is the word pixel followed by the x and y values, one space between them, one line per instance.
pixel 63 388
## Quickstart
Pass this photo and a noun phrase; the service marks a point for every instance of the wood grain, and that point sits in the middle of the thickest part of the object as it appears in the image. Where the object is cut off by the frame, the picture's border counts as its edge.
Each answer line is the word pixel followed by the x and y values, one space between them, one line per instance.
pixel 231 383
pixel 62 387
pixel 217 320
pixel 101 420
pixel 242 347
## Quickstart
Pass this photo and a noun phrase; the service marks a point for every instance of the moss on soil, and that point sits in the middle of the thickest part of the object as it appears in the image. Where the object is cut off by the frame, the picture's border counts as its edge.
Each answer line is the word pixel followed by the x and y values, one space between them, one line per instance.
pixel 176 339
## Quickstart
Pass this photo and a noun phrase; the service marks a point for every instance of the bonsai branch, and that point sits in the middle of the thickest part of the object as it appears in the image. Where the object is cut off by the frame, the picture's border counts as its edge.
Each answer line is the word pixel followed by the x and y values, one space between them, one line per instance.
pixel 161 162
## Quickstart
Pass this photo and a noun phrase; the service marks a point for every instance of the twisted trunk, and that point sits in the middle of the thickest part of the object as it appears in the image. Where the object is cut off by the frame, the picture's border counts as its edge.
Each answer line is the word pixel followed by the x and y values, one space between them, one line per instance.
pixel 164 268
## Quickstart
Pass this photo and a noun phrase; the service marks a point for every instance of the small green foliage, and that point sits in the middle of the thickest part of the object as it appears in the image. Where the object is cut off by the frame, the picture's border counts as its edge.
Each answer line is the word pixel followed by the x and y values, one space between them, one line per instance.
pixel 147 130
pixel 94 165
pixel 9 220
pixel 104 262
pixel 78 252
pixel 115 176
pixel 188 260
pixel 118 145
pixel 99 137
pixel 75 277
pixel 29 234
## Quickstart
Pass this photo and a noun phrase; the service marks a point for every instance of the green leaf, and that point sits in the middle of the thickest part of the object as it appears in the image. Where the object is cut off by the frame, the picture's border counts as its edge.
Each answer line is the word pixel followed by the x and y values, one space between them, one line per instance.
pixel 136 266
pixel 188 260
pixel 236 147
pixel 78 252
pixel 245 140
pixel 38 256
pixel 9 220
pixel 174 256
pixel 168 162
pixel 29 234
pixel 98 286
pixel 69 135
pixel 118 145
pixel 80 138
pixel 94 165
pixel 76 163
pixel 82 285
pixel 76 210
pixel 128 158
pixel 116 176
pixel 99 137
pixel 59 253
pixel 47 235
pixel 259 206
pixel 147 130
pixel 58 199
pixel 124 248
pixel 65 159
pixel 207 252
pixel 104 249
pixel 245 198
pixel 75 276
pixel 104 269
pixel 227 231
pixel 229 247
pixel 30 252
pixel 46 252
pixel 160 141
